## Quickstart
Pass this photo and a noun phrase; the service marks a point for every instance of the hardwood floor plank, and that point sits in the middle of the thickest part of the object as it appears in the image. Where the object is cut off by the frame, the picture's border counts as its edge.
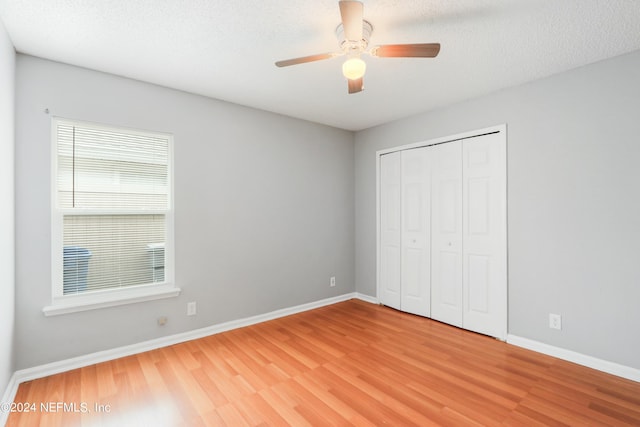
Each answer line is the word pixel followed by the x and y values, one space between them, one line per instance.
pixel 615 413
pixel 319 388
pixel 351 363
pixel 458 419
pixel 249 363
pixel 557 412
pixel 210 419
pixel 388 384
pixel 29 394
pixel 284 409
pixel 178 392
pixel 432 380
pixel 310 406
pixel 258 406
pixel 522 418
pixel 374 410
pixel 216 396
pixel 279 356
pixel 182 378
pixel 609 392
pixel 231 417
pixel 595 409
pixel 105 383
pixel 218 380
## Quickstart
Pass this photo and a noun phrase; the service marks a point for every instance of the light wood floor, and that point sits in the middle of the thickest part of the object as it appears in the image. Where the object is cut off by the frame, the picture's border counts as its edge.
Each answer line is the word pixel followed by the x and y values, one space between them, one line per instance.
pixel 351 363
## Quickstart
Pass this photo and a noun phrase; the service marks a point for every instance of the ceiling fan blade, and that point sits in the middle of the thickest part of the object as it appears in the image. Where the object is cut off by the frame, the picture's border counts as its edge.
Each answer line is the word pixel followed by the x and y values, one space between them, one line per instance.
pixel 305 59
pixel 356 86
pixel 351 13
pixel 420 50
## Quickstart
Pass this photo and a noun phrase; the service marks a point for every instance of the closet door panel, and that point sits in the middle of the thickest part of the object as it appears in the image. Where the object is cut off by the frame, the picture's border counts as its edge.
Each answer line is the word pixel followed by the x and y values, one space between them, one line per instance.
pixel 446 233
pixel 484 228
pixel 390 232
pixel 479 289
pixel 415 240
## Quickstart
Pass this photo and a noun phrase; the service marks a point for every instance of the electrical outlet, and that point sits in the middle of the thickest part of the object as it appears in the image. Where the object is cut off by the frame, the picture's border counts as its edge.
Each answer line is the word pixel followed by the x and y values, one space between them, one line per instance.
pixel 162 321
pixel 191 308
pixel 555 321
pixel 332 281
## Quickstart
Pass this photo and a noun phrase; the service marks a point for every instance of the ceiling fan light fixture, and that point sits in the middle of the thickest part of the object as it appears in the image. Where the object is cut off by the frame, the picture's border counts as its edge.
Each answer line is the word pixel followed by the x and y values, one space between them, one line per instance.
pixel 354 68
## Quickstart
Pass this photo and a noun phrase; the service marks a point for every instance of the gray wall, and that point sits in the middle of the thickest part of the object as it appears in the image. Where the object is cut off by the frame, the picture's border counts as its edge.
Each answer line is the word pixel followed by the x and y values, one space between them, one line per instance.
pixel 7 282
pixel 573 202
pixel 263 205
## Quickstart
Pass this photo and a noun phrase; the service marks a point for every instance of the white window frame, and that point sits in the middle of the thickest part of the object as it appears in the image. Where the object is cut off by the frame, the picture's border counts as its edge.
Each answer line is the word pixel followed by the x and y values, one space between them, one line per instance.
pixel 63 304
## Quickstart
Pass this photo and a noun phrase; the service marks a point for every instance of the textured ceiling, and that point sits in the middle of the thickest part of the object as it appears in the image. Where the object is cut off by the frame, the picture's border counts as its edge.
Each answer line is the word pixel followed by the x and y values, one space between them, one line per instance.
pixel 227 49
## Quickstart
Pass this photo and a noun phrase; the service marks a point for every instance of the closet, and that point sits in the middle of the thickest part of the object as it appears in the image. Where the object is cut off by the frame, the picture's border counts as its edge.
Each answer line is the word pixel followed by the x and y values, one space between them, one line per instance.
pixel 442 243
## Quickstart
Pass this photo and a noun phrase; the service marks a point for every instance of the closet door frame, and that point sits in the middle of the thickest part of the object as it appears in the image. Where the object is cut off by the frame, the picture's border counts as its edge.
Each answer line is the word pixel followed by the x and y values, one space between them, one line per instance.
pixel 498 129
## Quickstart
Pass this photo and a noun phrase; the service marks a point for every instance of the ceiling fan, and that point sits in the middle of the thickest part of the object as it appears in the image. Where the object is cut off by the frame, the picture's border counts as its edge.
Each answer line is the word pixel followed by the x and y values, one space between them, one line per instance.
pixel 353 37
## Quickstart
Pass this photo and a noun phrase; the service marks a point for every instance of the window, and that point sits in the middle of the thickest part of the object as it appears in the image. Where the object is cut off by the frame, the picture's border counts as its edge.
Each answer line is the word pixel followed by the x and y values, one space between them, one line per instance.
pixel 112 217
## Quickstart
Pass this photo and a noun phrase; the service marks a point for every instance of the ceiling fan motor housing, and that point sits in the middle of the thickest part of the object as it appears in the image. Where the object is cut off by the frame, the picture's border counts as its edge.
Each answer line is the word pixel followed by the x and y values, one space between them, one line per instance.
pixel 354 47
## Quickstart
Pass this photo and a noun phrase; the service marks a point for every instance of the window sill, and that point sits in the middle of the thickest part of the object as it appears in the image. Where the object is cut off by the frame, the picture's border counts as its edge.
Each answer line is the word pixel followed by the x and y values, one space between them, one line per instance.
pixel 97 300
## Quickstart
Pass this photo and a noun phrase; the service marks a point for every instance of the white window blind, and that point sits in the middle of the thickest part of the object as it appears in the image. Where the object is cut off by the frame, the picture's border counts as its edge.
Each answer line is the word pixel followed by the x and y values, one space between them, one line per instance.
pixel 113 197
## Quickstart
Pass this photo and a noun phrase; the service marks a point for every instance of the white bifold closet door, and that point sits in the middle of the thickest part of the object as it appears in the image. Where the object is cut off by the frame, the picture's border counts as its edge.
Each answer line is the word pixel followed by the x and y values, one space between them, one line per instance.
pixel 443 232
pixel 415 254
pixel 469 280
pixel 484 228
pixel 446 229
pixel 405 231
pixel 390 233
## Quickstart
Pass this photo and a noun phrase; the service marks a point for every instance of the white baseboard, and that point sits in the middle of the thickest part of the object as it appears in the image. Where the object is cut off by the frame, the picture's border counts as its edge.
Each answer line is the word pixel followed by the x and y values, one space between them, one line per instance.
pixel 366 298
pixel 579 358
pixel 103 356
